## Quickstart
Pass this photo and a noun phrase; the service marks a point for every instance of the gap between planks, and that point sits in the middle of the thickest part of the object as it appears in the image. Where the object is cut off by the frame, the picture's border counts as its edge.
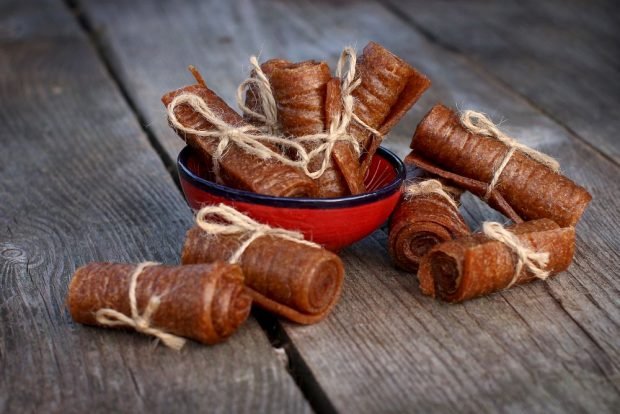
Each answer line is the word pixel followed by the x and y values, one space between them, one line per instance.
pixel 100 49
pixel 405 18
pixel 295 365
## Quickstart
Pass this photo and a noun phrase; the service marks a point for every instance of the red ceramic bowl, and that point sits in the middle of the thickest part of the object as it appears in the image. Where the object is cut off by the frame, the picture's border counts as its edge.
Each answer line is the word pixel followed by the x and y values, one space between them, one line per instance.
pixel 331 222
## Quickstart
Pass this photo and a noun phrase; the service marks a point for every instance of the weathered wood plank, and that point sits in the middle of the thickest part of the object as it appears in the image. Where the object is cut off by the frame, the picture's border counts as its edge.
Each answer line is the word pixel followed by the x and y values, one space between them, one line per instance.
pixel 561 55
pixel 545 347
pixel 80 182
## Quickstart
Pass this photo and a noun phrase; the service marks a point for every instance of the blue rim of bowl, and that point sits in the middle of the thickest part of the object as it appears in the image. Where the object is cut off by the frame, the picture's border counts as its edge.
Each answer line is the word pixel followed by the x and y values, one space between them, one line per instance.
pixel 295 202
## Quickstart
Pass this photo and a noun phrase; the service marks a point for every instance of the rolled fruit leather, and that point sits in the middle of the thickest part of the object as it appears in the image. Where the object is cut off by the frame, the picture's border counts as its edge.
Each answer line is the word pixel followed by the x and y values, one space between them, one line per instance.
pixel 293 280
pixel 477 265
pixel 300 91
pixel 389 88
pixel 526 189
pixel 205 302
pixel 421 221
pixel 344 156
pixel 238 168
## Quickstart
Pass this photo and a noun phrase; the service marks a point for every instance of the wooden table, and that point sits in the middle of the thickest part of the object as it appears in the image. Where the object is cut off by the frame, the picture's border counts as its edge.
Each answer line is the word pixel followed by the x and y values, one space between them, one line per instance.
pixel 88 173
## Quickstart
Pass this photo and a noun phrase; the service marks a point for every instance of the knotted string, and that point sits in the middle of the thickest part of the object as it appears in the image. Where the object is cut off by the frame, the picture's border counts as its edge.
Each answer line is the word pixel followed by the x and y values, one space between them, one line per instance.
pixel 246 137
pixel 236 222
pixel 430 187
pixel 479 123
pixel 250 138
pixel 263 92
pixel 532 260
pixel 348 83
pixel 141 323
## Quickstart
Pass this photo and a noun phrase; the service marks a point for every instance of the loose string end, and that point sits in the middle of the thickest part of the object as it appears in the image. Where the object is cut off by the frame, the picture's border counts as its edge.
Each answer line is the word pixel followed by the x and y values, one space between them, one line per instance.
pixel 534 261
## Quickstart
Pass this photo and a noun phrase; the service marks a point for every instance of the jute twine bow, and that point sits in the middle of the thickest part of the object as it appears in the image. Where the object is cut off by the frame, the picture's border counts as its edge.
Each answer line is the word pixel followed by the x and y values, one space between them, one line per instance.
pixel 479 123
pixel 429 187
pixel 532 260
pixel 141 323
pixel 262 91
pixel 247 137
pixel 348 83
pixel 250 138
pixel 238 223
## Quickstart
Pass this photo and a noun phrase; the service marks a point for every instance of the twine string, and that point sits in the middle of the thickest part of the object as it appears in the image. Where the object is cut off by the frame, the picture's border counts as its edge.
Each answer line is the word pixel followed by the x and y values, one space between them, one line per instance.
pixel 479 123
pixel 247 137
pixel 431 186
pixel 346 72
pixel 232 221
pixel 262 91
pixel 137 321
pixel 533 261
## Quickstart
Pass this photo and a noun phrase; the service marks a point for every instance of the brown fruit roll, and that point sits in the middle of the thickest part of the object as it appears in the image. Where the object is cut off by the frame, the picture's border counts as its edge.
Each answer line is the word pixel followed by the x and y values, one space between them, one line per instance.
pixel 204 302
pixel 389 87
pixel 476 265
pixel 344 155
pixel 299 282
pixel 300 92
pixel 526 189
pixel 420 222
pixel 238 168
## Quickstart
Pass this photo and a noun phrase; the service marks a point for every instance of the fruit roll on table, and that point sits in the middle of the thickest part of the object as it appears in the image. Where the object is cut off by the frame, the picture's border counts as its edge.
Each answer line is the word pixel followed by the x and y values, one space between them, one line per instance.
pixel 478 265
pixel 526 188
pixel 389 88
pixel 426 215
pixel 237 168
pixel 293 280
pixel 205 302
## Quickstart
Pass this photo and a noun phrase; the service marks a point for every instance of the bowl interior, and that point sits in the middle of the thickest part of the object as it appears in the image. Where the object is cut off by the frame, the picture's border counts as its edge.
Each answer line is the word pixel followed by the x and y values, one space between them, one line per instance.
pixel 383 177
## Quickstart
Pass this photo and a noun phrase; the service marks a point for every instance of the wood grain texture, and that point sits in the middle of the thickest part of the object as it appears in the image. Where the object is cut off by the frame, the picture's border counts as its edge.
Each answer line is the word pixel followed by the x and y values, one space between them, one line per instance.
pixel 544 347
pixel 80 182
pixel 564 56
